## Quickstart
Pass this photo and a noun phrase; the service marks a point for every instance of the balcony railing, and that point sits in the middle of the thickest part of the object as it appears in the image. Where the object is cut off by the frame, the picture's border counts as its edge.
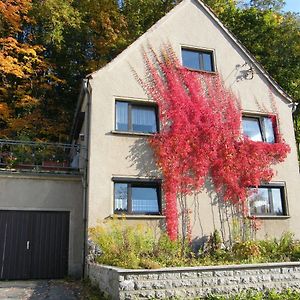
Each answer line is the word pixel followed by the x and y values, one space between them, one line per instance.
pixel 38 157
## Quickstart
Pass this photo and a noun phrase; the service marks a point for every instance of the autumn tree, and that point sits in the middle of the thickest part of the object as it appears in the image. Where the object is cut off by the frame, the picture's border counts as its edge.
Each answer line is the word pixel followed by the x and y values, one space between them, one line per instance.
pixel 21 66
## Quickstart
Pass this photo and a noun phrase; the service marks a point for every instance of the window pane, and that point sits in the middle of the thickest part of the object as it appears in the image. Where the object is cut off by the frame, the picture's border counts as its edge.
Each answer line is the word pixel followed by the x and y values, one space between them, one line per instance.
pixel 270 138
pixel 143 119
pixel 120 196
pixel 259 202
pixel 190 59
pixel 207 62
pixel 251 129
pixel 277 201
pixel 121 116
pixel 144 199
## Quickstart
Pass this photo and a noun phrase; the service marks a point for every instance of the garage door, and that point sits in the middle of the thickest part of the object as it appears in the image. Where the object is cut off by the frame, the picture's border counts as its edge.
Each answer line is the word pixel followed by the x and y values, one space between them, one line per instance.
pixel 33 244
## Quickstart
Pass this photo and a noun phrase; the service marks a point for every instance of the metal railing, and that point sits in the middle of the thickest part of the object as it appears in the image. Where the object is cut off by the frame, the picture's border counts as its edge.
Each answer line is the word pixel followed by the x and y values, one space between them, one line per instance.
pixel 38 156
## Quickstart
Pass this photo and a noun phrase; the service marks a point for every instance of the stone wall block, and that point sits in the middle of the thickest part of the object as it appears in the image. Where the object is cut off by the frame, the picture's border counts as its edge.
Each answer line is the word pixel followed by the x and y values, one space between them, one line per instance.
pixel 160 294
pixel 275 270
pixel 189 275
pixel 150 276
pixel 170 293
pixel 287 270
pixel 223 273
pixel 146 295
pixel 181 293
pixel 143 285
pixel 169 275
pixel 161 284
pixel 205 274
pixel 127 285
pixel 209 281
pixel 191 293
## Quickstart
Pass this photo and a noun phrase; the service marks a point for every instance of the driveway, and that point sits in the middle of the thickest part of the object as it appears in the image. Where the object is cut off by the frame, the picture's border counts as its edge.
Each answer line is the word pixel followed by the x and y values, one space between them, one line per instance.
pixel 41 289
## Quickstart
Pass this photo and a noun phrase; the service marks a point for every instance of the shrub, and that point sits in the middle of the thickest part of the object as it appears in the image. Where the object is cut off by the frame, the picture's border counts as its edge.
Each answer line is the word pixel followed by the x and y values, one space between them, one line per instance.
pixel 122 245
pixel 284 249
pixel 248 250
pixel 139 247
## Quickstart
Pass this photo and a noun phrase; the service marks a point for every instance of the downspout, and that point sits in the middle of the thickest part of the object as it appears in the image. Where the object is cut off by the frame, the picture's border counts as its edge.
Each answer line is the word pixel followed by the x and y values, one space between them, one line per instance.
pixel 85 177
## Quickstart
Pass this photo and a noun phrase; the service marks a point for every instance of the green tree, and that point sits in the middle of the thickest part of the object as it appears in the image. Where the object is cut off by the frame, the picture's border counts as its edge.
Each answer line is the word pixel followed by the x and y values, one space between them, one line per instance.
pixel 272 36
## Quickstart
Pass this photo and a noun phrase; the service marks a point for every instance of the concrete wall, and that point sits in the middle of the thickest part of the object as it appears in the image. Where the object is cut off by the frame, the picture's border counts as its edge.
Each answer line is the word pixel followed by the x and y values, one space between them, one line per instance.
pixel 113 154
pixel 193 282
pixel 48 193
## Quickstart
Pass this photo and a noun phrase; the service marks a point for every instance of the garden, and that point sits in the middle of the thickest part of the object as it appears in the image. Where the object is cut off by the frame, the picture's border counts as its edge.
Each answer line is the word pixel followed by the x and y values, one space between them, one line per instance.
pixel 136 247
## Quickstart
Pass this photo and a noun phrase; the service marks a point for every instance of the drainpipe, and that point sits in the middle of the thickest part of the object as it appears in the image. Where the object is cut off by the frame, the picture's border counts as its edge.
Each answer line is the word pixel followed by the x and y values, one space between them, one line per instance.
pixel 85 178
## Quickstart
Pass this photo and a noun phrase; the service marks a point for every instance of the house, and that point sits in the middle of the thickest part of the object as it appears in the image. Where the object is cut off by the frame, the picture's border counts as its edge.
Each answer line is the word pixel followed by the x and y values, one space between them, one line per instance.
pixel 114 118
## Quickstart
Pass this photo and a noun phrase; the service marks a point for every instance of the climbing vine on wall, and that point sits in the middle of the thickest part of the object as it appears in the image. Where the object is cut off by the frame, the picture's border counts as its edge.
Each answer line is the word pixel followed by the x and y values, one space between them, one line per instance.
pixel 201 136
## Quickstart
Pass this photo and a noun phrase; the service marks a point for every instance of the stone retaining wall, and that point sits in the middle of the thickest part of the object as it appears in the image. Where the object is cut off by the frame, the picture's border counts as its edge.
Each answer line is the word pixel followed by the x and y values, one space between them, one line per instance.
pixel 193 282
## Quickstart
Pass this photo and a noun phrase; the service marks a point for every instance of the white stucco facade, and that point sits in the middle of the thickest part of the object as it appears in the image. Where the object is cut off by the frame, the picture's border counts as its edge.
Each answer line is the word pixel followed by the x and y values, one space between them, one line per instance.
pixel 112 154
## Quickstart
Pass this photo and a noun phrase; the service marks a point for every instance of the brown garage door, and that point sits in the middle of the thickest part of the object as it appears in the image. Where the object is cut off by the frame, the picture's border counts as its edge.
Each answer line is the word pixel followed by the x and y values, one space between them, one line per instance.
pixel 33 244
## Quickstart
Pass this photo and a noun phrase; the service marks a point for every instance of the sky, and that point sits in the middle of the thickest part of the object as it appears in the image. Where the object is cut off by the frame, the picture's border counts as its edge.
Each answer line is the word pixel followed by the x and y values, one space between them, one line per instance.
pixel 292 5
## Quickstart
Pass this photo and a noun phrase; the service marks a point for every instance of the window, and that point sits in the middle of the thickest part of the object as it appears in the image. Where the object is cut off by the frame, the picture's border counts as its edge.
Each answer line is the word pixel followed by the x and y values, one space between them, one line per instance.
pixel 137 198
pixel 131 117
pixel 259 129
pixel 201 60
pixel 268 200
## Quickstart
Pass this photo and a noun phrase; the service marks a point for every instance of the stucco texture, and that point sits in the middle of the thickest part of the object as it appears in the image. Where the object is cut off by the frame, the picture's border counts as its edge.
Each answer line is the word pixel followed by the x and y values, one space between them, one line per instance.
pixel 112 154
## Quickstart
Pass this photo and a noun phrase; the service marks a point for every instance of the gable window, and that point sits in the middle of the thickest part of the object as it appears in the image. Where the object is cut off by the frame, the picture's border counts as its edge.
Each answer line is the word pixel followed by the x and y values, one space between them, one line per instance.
pixel 137 198
pixel 201 60
pixel 268 200
pixel 131 117
pixel 259 129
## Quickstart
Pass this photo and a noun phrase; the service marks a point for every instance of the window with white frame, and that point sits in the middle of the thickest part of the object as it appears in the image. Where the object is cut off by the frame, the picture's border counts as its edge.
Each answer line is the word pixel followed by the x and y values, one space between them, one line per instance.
pixel 258 128
pixel 136 117
pixel 268 200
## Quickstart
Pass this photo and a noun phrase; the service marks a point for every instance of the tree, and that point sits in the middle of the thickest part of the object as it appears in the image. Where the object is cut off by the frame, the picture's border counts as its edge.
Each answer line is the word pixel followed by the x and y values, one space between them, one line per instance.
pixel 23 72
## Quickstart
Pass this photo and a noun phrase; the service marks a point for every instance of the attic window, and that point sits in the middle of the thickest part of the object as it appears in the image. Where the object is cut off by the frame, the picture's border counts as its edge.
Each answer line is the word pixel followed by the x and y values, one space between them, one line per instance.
pixel 200 60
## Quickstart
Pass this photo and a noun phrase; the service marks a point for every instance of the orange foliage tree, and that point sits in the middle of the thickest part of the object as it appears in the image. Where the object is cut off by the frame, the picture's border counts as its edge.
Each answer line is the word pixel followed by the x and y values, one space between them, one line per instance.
pixel 25 75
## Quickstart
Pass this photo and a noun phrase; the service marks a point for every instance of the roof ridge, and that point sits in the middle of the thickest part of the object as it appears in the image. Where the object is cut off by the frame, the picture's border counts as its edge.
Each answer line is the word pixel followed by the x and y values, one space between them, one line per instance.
pixel 209 11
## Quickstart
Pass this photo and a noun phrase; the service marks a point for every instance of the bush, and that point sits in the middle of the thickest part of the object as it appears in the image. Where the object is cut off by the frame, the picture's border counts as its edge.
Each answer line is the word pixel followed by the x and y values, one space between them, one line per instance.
pixel 122 245
pixel 139 247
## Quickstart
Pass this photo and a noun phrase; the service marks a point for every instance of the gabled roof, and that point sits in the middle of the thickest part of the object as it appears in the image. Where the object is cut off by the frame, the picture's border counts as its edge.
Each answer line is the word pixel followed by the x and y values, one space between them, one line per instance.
pixel 221 26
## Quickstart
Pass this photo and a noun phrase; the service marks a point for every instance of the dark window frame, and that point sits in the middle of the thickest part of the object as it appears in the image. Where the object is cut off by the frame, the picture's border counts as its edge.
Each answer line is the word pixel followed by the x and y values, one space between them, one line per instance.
pixel 132 104
pixel 200 52
pixel 284 200
pixel 138 183
pixel 261 124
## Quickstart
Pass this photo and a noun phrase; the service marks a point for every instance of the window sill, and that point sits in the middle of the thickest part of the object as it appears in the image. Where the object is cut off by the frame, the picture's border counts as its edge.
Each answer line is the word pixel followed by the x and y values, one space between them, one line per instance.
pixel 202 71
pixel 266 217
pixel 129 133
pixel 136 217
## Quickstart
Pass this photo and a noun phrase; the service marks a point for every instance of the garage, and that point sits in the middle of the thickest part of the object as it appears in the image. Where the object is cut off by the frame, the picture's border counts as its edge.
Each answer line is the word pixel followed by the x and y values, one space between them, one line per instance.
pixel 34 244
